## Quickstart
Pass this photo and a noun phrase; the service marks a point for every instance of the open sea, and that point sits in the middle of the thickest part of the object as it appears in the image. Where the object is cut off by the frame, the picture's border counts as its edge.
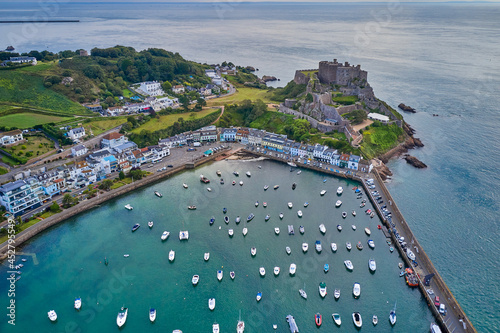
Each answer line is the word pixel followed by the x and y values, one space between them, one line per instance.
pixel 442 59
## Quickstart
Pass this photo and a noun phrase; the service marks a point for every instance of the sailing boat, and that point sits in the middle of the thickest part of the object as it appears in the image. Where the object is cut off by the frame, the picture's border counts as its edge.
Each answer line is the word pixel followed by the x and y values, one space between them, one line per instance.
pixel 392 315
pixel 105 261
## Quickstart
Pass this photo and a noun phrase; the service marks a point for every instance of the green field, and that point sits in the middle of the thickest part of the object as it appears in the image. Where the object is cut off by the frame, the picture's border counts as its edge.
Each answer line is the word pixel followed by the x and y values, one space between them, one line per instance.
pixel 273 121
pixel 168 120
pixel 100 126
pixel 241 94
pixel 28 119
pixel 34 145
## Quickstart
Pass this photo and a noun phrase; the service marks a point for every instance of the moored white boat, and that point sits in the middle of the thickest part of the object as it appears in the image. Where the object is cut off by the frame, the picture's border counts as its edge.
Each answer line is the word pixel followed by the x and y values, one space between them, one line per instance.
pixel 215 328
pixel 348 264
pixel 318 247
pixel 299 213
pixel 220 274
pixel 78 303
pixel 336 319
pixel 267 217
pixel 322 228
pixel 266 187
pixel 303 293
pixel 230 232
pixel 259 296
pixel 129 207
pixel 241 183
pixel 122 317
pixel 52 315
pixel 171 255
pixel 150 224
pixel 336 293
pixel 277 270
pixel 375 320
pixel 253 251
pixel 392 316
pixel 339 227
pixel 237 220
pixel 372 265
pixel 305 247
pixel 306 204
pixel 232 275
pixel 262 271
pixel 245 231
pixel 353 213
pixel 152 315
pixel 368 231
pixel 184 185
pixel 338 203
pixel 353 227
pixel 356 318
pixel 356 290
pixel 344 215
pixel 334 247
pixel 322 193
pixel 322 289
pixel 288 250
pixel 277 231
pixel 340 190
pixel 206 256
pixel 195 280
pixel 183 235
pixel 348 246
pixel 211 303
pixel 290 205
pixel 158 194
pixel 281 216
pixel 256 204
pixel 371 243
pixel 301 229
pixel 248 174
pixel 293 269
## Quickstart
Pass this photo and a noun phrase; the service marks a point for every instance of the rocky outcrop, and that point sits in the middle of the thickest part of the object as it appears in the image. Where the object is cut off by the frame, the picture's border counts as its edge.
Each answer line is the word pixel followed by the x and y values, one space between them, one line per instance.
pixel 384 171
pixel 406 108
pixel 250 68
pixel 267 78
pixel 412 160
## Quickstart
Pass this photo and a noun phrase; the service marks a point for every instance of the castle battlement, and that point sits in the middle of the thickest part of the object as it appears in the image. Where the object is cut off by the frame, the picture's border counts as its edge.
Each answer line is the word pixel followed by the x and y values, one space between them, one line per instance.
pixel 333 72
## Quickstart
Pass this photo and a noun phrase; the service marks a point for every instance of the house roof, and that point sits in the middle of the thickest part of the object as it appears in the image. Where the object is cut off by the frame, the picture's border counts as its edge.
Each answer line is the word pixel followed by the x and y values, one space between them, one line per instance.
pixel 112 136
pixel 11 133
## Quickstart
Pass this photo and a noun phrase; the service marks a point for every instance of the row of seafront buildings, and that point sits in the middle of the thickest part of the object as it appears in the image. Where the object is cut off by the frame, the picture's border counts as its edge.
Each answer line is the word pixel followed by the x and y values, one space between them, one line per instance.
pixel 30 189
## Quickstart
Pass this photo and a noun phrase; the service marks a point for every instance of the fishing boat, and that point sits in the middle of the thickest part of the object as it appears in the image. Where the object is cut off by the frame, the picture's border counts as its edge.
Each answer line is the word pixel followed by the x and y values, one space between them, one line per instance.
pixel 253 251
pixel 276 187
pixel 294 186
pixel 290 230
pixel 326 268
pixel 336 293
pixel 338 203
pixel 411 278
pixel 245 231
pixel 78 303
pixel 264 204
pixel 250 217
pixel 267 217
pixel 232 275
pixel 348 264
pixel 150 224
pixel 303 293
pixel 348 246
pixel 152 315
pixel 392 315
pixel 356 290
pixel 158 194
pixel 291 323
pixel 230 232
pixel 371 243
pixel 353 213
pixel 212 220
pixel 317 319
pixel 322 289
pixel 127 206
pixel 183 235
pixel 237 220
pixel 248 174
pixel 220 274
pixel 356 318
pixel 339 227
pixel 281 216
pixel 224 210
pixel 277 231
pixel 322 193
pixel 204 179
pixel 262 271
pixel 215 328
pixel 185 185
pixel 359 246
pixel 317 245
pixel 192 207
pixel 266 187
pixel 206 256
pixel 336 319
pixel 122 317
pixel 368 231
pixel 290 205
pixel 211 303
pixel 305 247
pixel 256 204
pixel 209 189
pixel 333 247
pixel 375 320
pixel 259 296
pixel 372 265
pixel 293 269
pixel 353 227
pixel 340 190
pixel 135 227
pixel 299 213
pixel 288 250
pixel 306 204
pixel 236 173
pixel 241 183
pixel 301 229
pixel 165 235
pixel 277 271
pixel 322 228
pixel 171 255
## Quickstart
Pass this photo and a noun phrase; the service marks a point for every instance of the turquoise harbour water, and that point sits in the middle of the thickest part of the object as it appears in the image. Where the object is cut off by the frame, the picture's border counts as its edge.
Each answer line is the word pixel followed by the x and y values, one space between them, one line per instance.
pixel 70 260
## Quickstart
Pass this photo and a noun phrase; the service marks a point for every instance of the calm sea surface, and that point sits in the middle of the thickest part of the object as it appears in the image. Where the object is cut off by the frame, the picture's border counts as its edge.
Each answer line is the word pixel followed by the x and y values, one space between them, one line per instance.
pixel 440 59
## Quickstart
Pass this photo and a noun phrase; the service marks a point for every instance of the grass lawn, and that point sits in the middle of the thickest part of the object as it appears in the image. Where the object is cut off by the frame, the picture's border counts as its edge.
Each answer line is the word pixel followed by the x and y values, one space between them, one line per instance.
pixel 346 100
pixel 378 140
pixel 169 120
pixel 273 121
pixel 100 126
pixel 241 94
pixel 3 171
pixel 127 93
pixel 28 119
pixel 32 145
pixel 9 161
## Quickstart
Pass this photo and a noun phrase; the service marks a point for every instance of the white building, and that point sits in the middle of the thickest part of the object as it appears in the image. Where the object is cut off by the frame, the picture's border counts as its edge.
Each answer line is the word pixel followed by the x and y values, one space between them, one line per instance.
pixel 380 117
pixel 178 89
pixel 11 137
pixel 79 150
pixel 23 60
pixel 76 133
pixel 151 88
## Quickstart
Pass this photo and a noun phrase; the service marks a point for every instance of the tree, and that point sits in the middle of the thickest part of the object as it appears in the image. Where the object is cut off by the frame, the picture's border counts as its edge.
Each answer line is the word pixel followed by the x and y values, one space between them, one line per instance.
pixel 121 175
pixel 67 200
pixel 309 98
pixel 136 174
pixel 54 207
pixel 166 86
pixel 106 185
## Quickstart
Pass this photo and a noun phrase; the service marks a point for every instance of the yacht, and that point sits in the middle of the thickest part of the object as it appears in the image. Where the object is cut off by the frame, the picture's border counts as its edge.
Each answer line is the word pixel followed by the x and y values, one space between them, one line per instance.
pixel 348 264
pixel 301 229
pixel 290 205
pixel 344 215
pixel 152 315
pixel 334 247
pixel 211 303
pixel 253 251
pixel 336 319
pixel 339 227
pixel 305 247
pixel 262 271
pixel 238 219
pixel 303 293
pixel 299 213
pixel 259 296
pixel 371 243
pixel 232 275
pixel 375 320
pixel 183 235
pixel 135 227
pixel 171 255
pixel 322 289
pixel 122 317
pixel 322 193
pixel 306 204
pixel 317 245
pixel 52 315
pixel 277 231
pixel 338 203
pixel 291 322
pixel 356 290
pixel 78 303
pixel 158 194
pixel 276 187
pixel 368 231
pixel 245 231
pixel 230 232
pixel 293 269
pixel 219 275
pixel 353 213
pixel 348 246
pixel 127 206
pixel 372 265
pixel 353 226
pixel 340 190
pixel 322 228
pixel 206 257
pixel 288 250
pixel 281 216
pixel 248 174
pixel 250 217
pixel 184 185
pixel 336 293
pixel 267 217
pixel 356 318
pixel 256 204
pixel 209 189
pixel 195 279
pixel 277 270
pixel 241 183
pixel 392 315
pixel 266 187
pixel 218 173
pixel 215 328
pixel 240 328
pixel 150 224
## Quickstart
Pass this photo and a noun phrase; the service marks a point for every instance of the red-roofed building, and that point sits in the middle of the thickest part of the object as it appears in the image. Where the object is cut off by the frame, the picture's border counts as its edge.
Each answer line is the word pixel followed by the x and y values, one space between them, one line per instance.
pixel 112 140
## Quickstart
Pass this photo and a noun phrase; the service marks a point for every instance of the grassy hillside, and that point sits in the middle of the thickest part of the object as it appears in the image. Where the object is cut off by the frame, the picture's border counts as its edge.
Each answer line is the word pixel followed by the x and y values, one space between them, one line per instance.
pixel 379 139
pixel 168 120
pixel 242 94
pixel 24 120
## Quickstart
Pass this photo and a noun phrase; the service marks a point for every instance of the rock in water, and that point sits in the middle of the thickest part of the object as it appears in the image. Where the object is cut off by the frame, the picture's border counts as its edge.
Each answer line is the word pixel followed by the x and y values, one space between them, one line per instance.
pixel 412 160
pixel 406 108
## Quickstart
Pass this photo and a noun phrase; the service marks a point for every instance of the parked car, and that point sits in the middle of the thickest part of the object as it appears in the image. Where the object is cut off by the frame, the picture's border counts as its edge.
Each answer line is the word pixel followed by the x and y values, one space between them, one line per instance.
pixel 436 302
pixel 170 166
pixel 442 309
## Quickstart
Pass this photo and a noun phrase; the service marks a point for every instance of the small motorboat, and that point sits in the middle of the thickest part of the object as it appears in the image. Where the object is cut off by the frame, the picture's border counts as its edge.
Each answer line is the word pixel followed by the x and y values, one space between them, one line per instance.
pixel 375 320
pixel 290 205
pixel 240 327
pixel 195 280
pixel 340 190
pixel 209 189
pixel 336 319
pixel 322 228
pixel 288 250
pixel 259 296
pixel 264 204
pixel 241 183
pixel 294 186
pixel 372 265
pixel 129 207
pixel 281 216
pixel 266 187
pixel 192 207
pixel 171 255
pixel 126 255
pixel 256 204
pixel 371 243
pixel 277 271
pixel 356 290
pixel 248 174
pixel 353 227
pixel 344 215
pixel 234 182
pixel 306 204
pixel 215 328
pixel 236 173
pixel 368 231
pixel 336 293
pixel 226 219
pixel 303 293
pixel 277 231
pixel 290 229
pixel 152 315
pixel 322 193
pixel 212 220
pixel 338 203
pixel 362 205
pixel 230 232
pixel 206 256
pixel 299 172
pixel 135 227
pixel 353 213
pixel 339 227
pixel 301 229
pixel 326 268
pixel 276 187
pixel 78 303
pixel 250 217
pixel 218 173
pixel 334 247
pixel 237 220
pixel 183 235
pixel 267 217
pixel 224 210
pixel 184 185
pixel 402 273
pixel 211 304
pixel 222 181
pixel 356 318
pixel 409 254
pixel 348 246
pixel 391 249
pixel 165 235
pixel 150 224
pixel 158 194
pixel 232 275
pixel 400 265
pixel 317 319
pixel 219 275
pixel 253 251
pixel 122 317
pixel 318 247
pixel 245 231
pixel 204 179
pixel 262 271
pixel 293 269
pixel 322 289
pixel 299 213
pixel 359 246
pixel 348 264
pixel 305 247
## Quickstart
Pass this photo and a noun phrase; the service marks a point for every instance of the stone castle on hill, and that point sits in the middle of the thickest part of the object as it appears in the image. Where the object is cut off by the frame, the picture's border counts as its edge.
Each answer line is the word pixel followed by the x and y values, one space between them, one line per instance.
pixel 333 72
